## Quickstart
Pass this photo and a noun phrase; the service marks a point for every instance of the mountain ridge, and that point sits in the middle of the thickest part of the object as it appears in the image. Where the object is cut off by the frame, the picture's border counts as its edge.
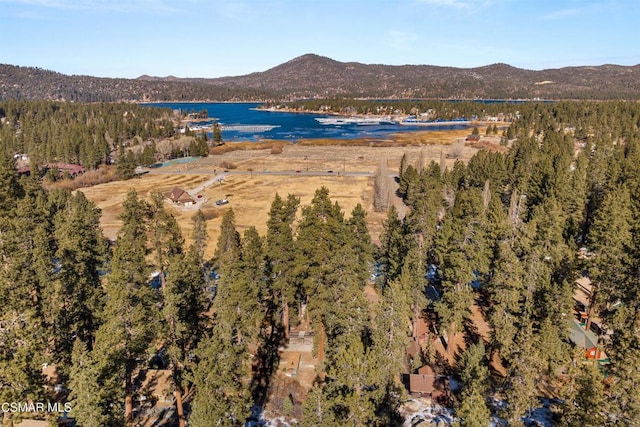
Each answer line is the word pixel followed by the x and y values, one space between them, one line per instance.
pixel 316 76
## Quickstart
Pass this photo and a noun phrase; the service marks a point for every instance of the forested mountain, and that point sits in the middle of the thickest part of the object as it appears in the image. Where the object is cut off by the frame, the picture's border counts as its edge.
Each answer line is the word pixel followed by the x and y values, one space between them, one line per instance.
pixel 28 83
pixel 315 76
pixel 500 237
pixel 86 134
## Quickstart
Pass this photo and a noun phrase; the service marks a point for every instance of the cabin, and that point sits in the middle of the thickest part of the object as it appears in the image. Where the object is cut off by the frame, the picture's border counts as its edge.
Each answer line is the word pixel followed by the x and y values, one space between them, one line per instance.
pixel 587 340
pixel 180 197
pixel 427 384
pixel 582 295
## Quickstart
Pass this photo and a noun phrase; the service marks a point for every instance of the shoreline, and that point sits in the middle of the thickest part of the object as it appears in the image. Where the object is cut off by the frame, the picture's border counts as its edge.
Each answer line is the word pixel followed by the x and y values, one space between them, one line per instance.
pixel 398 119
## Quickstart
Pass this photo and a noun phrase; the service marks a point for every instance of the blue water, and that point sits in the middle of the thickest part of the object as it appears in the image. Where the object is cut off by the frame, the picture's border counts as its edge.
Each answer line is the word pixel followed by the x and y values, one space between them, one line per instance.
pixel 287 126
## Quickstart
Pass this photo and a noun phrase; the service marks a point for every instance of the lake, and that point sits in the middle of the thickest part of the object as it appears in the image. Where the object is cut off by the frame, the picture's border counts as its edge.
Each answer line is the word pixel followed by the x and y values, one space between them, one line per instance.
pixel 243 122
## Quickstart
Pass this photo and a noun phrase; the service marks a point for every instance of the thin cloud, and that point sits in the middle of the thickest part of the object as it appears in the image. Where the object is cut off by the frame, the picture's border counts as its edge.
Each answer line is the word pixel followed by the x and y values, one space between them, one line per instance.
pixel 597 8
pixel 561 14
pixel 157 6
pixel 459 4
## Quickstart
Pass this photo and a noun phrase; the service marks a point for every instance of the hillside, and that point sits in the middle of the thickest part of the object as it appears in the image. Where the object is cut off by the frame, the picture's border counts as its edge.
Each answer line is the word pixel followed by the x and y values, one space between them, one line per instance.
pixel 316 76
pixel 35 83
pixel 312 75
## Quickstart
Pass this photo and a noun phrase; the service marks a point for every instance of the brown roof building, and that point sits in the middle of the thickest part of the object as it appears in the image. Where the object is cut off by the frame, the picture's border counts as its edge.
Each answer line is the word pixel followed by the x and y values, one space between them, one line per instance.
pixel 181 197
pixel 427 384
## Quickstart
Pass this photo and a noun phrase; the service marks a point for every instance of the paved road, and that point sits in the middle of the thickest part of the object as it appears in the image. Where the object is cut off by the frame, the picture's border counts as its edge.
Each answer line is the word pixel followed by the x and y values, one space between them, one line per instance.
pixel 265 172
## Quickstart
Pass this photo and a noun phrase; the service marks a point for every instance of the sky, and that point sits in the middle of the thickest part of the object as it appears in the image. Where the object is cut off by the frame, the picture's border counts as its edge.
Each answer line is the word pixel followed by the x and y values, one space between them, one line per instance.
pixel 216 38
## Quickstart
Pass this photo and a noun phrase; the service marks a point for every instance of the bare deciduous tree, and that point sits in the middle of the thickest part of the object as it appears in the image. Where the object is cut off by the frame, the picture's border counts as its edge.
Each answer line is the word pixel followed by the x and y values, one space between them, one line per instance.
pixel 381 187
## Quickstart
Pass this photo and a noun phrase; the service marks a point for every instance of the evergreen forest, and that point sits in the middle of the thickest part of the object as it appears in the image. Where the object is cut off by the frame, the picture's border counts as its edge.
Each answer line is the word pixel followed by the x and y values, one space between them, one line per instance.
pixel 502 238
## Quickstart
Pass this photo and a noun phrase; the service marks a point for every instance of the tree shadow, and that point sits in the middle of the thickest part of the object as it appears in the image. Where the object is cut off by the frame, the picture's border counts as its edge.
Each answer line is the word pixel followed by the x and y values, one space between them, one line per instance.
pixel 267 358
pixel 471 333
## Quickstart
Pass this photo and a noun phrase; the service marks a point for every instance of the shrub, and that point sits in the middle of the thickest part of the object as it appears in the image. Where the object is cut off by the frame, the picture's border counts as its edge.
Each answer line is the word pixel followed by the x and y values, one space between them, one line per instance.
pixel 287 405
pixel 226 164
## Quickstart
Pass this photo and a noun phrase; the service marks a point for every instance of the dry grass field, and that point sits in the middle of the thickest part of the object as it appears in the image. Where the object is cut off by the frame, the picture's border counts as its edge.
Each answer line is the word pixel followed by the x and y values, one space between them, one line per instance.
pixel 250 194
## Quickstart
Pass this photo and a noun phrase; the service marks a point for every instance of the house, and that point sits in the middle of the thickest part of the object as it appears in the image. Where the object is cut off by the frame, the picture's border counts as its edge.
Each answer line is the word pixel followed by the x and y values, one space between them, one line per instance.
pixel 423 383
pixel 583 295
pixel 180 197
pixel 427 384
pixel 587 340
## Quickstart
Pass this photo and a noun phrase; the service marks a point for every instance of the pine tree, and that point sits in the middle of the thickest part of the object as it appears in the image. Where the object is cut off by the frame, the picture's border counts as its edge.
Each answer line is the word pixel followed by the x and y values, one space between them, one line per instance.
pixel 505 293
pixel 521 389
pixel 352 384
pixel 408 182
pixel 227 252
pixel 166 238
pixel 329 273
pixel 393 247
pixel 217 134
pixel 425 202
pixel 80 251
pixel 238 300
pixel 587 404
pixel 199 235
pixel 611 238
pixel 473 411
pixel 474 374
pixel 463 254
pixel 86 395
pixel 391 333
pixel 125 167
pixel 22 348
pixel 183 308
pixel 624 350
pixel 10 188
pixel 317 409
pixel 362 247
pixel 280 254
pixel 130 312
pixel 25 274
pixel 222 397
pixel 577 199
pixel 254 276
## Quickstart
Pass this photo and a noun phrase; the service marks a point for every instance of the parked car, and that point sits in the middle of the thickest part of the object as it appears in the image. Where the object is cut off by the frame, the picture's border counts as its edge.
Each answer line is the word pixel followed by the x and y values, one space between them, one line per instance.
pixel 221 202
